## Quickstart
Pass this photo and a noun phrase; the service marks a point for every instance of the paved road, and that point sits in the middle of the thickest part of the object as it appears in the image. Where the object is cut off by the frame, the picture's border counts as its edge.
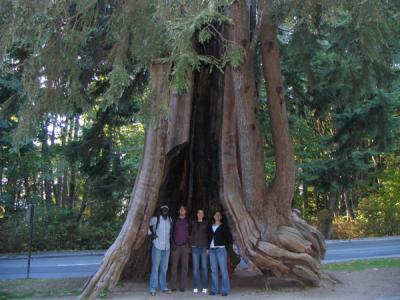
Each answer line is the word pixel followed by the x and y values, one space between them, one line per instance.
pixel 84 263
pixel 346 250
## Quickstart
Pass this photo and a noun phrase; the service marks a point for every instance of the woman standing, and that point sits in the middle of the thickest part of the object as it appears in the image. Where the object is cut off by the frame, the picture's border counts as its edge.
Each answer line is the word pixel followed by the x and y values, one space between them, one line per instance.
pixel 218 244
pixel 199 242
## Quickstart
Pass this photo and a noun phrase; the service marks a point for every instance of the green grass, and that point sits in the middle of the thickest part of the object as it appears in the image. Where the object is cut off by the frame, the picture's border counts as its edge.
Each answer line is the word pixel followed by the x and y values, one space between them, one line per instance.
pixel 40 288
pixel 359 265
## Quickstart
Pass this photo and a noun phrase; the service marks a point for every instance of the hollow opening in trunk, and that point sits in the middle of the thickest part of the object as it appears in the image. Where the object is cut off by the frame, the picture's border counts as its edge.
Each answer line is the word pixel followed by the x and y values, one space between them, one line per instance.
pixel 192 169
pixel 192 173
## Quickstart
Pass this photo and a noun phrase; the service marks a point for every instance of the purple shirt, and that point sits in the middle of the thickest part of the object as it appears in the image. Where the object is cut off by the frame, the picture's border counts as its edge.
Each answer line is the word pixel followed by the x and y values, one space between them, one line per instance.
pixel 181 232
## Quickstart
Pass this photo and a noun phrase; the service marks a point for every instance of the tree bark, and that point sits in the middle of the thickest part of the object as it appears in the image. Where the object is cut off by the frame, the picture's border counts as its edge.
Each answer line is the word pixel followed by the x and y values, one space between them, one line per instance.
pixel 326 222
pixel 207 151
pixel 74 131
pixel 46 172
pixel 281 190
pixel 84 202
pixel 349 207
pixel 145 193
pixel 277 240
pixel 64 166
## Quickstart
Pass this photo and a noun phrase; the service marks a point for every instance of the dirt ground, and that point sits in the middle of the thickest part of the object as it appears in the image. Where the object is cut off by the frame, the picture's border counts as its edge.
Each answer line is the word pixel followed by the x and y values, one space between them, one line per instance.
pixel 377 284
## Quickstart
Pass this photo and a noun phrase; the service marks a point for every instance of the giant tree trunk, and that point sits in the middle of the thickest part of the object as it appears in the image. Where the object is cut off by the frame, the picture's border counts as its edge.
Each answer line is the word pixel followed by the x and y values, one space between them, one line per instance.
pixel 204 149
pixel 276 239
pixel 145 193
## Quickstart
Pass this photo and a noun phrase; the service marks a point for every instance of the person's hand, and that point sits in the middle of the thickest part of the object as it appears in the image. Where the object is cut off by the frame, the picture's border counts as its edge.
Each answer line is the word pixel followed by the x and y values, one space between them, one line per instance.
pixel 208 252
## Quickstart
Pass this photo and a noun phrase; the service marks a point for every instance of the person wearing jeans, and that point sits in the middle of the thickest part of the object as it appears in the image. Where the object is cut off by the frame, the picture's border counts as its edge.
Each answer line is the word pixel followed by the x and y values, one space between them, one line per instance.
pixel 199 241
pixel 159 229
pixel 218 244
pixel 180 238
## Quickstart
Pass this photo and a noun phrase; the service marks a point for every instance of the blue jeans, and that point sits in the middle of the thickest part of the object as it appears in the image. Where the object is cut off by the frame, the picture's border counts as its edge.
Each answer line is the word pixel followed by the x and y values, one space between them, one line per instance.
pixel 219 259
pixel 197 254
pixel 159 267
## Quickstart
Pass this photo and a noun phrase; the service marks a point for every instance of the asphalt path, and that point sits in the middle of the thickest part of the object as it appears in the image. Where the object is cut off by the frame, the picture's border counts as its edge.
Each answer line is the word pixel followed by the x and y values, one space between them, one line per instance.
pixel 85 263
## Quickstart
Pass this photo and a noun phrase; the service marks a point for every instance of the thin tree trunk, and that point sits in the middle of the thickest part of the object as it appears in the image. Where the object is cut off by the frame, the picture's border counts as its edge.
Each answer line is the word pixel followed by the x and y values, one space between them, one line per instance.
pixel 281 190
pixel 305 197
pixel 56 186
pixel 64 168
pixel 72 179
pixel 348 206
pixel 84 202
pixel 326 226
pixel 47 171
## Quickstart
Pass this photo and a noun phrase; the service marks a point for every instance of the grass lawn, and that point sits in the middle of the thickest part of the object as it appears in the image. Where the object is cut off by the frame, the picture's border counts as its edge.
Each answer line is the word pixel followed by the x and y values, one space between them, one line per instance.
pixel 359 265
pixel 40 288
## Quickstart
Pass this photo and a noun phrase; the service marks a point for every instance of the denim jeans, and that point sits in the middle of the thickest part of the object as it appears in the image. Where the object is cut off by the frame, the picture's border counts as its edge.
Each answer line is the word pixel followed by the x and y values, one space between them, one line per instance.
pixel 159 267
pixel 219 259
pixel 200 253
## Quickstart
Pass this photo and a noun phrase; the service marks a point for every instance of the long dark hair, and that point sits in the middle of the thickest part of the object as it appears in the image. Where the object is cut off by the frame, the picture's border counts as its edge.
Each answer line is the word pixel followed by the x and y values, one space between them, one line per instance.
pixel 217 211
pixel 204 213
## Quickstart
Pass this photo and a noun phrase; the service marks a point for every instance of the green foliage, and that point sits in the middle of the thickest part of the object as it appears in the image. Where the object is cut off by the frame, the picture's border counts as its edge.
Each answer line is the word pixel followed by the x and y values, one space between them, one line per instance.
pixel 379 212
pixel 118 81
pixel 340 65
pixel 56 229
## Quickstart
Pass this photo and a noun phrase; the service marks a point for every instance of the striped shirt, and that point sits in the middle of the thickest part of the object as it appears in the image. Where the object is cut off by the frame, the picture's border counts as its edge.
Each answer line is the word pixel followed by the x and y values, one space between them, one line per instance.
pixel 163 232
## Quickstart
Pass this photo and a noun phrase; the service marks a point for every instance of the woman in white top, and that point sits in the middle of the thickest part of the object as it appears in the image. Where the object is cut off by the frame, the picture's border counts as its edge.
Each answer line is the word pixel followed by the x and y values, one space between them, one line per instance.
pixel 218 244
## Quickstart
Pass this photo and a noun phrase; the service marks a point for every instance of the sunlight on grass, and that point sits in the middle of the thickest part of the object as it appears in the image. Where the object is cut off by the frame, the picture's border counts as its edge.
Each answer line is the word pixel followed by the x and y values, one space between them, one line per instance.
pixel 360 265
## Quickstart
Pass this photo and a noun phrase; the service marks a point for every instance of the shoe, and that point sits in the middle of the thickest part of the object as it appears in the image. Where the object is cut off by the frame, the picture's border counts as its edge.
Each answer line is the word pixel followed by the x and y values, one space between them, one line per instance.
pixel 224 294
pixel 204 291
pixel 195 291
pixel 174 290
pixel 152 293
pixel 167 291
pixel 182 290
pixel 212 294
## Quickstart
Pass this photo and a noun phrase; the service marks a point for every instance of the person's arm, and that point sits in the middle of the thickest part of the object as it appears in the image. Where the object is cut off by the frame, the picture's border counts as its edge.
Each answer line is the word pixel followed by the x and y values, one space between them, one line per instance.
pixel 227 236
pixel 189 233
pixel 209 236
pixel 172 232
pixel 152 227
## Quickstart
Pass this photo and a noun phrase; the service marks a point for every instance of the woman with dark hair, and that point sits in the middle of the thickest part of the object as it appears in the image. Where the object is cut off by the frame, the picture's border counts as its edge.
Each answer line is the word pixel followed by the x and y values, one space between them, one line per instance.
pixel 199 242
pixel 219 237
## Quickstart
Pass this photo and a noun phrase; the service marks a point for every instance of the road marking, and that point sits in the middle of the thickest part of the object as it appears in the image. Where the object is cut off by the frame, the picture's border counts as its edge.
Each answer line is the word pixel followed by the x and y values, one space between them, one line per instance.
pixel 72 265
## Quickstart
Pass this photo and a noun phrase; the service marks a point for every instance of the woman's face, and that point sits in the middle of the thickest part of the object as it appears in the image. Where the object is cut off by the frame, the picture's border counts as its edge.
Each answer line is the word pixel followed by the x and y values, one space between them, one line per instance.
pixel 200 215
pixel 217 217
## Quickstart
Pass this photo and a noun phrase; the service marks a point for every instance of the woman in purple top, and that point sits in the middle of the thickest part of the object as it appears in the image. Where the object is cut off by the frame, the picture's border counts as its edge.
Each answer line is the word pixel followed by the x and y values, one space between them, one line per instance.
pixel 199 241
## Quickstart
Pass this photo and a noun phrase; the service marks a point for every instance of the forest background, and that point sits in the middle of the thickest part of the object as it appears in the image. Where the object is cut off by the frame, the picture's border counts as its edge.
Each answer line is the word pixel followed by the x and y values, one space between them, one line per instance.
pixel 73 112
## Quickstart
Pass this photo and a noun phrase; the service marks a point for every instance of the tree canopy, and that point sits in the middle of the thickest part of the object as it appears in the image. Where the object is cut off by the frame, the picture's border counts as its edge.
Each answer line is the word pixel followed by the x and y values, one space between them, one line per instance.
pixel 74 102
